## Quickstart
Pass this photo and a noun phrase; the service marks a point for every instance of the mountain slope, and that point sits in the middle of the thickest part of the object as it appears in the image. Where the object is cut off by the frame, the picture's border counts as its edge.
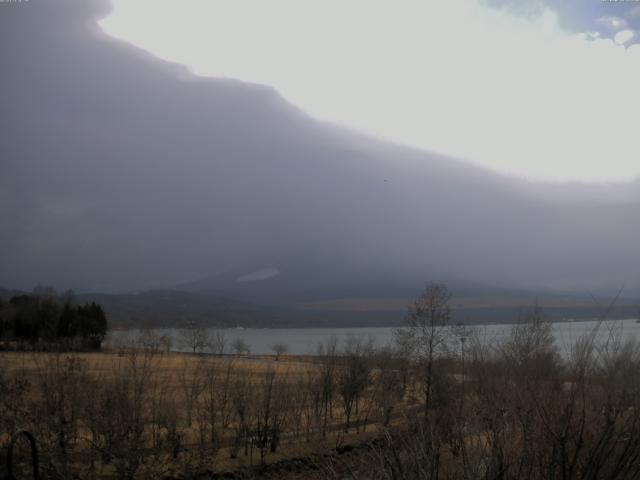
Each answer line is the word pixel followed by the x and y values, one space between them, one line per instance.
pixel 121 171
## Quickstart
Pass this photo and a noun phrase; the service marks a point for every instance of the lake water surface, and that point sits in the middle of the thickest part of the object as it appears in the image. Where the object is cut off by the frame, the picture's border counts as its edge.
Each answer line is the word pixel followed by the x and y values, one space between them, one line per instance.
pixel 301 341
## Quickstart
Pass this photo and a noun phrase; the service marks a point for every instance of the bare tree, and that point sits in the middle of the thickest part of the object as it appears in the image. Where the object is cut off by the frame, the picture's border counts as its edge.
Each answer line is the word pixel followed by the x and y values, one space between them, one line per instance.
pixel 530 348
pixel 14 394
pixel 388 385
pixel 353 377
pixel 312 399
pixel 218 341
pixel 216 409
pixel 279 349
pixel 149 340
pixel 165 342
pixel 242 404
pixel 191 380
pixel 328 355
pixel 425 337
pixel 119 416
pixel 195 337
pixel 60 383
pixel 240 347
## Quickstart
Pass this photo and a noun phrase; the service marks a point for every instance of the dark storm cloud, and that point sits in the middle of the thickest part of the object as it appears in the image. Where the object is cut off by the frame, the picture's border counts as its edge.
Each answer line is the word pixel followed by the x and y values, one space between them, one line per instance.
pixel 122 171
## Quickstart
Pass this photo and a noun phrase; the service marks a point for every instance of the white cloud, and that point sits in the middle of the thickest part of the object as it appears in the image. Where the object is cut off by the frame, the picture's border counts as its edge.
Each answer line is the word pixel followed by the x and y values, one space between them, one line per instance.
pixel 624 36
pixel 518 95
pixel 592 35
pixel 614 23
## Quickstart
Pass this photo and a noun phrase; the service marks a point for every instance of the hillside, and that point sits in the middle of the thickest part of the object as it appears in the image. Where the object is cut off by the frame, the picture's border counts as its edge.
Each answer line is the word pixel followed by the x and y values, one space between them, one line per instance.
pixel 144 176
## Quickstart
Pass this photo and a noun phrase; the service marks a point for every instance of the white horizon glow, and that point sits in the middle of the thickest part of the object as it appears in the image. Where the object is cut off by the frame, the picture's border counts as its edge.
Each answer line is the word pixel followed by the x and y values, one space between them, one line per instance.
pixel 517 95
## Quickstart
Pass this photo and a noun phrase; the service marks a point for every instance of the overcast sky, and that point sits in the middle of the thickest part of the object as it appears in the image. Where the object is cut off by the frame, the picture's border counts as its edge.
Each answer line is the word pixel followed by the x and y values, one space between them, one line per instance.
pixel 542 89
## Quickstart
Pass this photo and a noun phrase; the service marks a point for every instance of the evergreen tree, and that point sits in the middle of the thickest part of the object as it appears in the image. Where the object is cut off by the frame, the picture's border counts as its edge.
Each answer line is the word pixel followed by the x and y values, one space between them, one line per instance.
pixel 45 317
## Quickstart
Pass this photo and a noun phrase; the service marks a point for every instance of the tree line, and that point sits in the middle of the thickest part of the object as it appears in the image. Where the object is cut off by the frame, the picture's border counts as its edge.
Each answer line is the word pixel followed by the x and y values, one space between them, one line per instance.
pixel 44 319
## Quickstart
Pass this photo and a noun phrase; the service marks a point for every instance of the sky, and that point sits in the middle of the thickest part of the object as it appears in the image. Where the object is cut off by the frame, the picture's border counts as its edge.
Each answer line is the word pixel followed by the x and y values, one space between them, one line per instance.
pixel 539 89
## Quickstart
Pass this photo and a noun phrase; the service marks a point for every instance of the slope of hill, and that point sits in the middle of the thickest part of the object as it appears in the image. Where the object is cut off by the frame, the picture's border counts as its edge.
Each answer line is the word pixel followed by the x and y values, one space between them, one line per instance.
pixel 165 308
pixel 173 308
pixel 121 171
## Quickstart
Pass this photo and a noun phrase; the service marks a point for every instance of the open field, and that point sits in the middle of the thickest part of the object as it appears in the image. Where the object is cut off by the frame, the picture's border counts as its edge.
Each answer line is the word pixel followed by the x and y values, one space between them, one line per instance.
pixel 431 408
pixel 146 413
pixel 168 364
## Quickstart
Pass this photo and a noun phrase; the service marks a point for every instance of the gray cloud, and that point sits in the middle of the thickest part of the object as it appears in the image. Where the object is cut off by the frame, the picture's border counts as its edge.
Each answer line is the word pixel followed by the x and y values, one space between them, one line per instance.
pixel 122 171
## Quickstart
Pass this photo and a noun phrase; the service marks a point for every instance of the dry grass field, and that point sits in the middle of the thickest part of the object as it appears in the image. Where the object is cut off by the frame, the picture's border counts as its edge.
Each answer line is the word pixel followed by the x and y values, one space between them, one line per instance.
pixel 139 413
pixel 510 410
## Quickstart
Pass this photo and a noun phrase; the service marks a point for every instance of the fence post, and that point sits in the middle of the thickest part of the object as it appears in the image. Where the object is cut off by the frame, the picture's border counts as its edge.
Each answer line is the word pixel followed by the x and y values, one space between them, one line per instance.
pixel 34 454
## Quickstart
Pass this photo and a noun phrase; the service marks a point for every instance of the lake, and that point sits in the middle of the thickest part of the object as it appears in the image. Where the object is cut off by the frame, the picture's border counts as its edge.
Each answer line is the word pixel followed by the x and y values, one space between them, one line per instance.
pixel 303 341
